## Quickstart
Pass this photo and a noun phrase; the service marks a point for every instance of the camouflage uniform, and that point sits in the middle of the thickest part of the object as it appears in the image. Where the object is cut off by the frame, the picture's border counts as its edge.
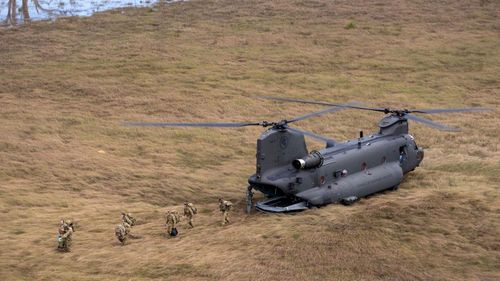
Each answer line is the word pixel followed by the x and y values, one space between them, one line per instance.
pixel 172 219
pixel 225 207
pixel 62 227
pixel 128 221
pixel 127 218
pixel 121 233
pixel 64 237
pixel 189 212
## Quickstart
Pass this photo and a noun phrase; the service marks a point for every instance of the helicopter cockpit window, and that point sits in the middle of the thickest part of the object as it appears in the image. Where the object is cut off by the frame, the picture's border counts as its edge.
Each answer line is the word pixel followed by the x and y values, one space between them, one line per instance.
pixel 402 153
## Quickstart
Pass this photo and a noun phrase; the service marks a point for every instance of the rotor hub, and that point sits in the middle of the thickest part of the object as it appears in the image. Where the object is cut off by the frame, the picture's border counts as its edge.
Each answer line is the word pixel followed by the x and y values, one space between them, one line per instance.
pixel 281 124
pixel 278 125
pixel 398 113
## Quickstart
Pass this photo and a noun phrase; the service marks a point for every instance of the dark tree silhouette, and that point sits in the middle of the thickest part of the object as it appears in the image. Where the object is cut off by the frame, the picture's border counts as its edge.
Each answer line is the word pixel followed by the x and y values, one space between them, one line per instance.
pixel 12 11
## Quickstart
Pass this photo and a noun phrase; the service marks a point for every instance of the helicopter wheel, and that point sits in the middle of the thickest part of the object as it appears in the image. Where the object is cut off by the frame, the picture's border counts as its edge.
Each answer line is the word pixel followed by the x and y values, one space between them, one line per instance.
pixel 349 200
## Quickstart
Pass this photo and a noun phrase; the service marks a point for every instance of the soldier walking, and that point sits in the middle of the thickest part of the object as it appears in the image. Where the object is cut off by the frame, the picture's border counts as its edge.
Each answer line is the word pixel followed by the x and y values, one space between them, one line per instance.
pixel 64 237
pixel 172 218
pixel 225 207
pixel 123 230
pixel 127 218
pixel 189 211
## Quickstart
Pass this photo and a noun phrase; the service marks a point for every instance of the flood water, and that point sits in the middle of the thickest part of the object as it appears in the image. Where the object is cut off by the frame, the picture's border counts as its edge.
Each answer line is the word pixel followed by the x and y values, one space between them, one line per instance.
pixel 20 11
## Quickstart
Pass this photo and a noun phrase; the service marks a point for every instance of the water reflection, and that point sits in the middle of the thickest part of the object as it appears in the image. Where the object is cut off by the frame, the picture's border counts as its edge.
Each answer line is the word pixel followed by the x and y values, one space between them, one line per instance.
pixel 18 11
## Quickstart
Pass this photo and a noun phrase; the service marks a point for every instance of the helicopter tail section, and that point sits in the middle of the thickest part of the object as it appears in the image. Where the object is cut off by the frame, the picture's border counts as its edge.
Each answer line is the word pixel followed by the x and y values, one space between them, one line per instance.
pixel 278 148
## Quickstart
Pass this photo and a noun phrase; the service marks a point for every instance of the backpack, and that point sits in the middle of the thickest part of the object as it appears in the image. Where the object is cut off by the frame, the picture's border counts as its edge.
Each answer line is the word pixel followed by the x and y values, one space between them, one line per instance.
pixel 227 205
pixel 193 208
pixel 132 220
pixel 174 232
pixel 120 231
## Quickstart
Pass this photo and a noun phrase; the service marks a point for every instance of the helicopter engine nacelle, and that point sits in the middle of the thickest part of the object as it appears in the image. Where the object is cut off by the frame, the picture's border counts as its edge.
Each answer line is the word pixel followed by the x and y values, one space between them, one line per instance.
pixel 313 160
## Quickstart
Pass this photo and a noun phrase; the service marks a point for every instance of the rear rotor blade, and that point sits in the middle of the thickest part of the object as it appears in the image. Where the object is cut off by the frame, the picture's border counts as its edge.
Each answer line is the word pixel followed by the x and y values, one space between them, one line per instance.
pixel 430 123
pixel 326 103
pixel 385 110
pixel 313 135
pixel 450 110
pixel 160 124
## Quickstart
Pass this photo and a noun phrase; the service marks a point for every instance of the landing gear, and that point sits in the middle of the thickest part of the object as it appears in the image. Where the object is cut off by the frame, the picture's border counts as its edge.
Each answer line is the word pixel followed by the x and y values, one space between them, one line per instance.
pixel 249 199
pixel 349 200
pixel 394 188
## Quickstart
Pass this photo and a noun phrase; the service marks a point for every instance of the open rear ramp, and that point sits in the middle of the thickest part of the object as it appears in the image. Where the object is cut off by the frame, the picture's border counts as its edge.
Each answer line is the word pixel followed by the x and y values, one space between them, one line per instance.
pixel 281 204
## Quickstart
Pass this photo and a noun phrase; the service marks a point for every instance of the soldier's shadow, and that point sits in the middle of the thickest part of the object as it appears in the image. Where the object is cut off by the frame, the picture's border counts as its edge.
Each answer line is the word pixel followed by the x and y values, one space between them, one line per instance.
pixel 61 251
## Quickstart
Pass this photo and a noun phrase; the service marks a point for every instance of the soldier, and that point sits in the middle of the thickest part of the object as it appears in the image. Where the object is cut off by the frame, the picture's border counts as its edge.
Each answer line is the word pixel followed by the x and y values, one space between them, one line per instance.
pixel 65 235
pixel 172 218
pixel 126 223
pixel 189 211
pixel 225 207
pixel 121 233
pixel 127 218
pixel 60 232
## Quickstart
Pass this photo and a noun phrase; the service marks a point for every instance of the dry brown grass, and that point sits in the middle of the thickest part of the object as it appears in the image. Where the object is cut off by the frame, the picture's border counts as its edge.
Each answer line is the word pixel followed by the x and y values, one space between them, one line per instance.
pixel 66 87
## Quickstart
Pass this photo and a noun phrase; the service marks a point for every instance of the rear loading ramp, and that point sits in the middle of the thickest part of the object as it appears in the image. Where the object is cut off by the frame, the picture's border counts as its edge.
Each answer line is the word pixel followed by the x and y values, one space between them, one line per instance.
pixel 282 204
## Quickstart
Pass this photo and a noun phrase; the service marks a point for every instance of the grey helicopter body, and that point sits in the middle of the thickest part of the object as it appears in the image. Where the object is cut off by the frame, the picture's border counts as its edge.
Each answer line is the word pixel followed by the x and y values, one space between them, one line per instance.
pixel 294 179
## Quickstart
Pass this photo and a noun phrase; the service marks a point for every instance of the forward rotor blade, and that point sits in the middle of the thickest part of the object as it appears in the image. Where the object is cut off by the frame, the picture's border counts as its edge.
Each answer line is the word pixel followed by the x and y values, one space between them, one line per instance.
pixel 313 135
pixel 431 123
pixel 385 110
pixel 325 103
pixel 317 113
pixel 450 110
pixel 221 125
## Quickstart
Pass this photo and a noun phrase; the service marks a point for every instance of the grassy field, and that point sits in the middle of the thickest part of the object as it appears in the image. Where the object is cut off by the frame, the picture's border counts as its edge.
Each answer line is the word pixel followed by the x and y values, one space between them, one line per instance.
pixel 67 86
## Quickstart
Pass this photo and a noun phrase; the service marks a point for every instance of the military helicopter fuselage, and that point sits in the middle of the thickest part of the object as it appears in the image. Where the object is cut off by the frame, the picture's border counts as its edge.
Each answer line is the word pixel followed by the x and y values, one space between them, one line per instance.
pixel 294 179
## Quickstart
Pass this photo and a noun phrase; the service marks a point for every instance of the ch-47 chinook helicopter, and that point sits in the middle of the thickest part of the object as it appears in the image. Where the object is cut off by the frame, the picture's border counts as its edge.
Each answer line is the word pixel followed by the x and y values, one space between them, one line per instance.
pixel 294 179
